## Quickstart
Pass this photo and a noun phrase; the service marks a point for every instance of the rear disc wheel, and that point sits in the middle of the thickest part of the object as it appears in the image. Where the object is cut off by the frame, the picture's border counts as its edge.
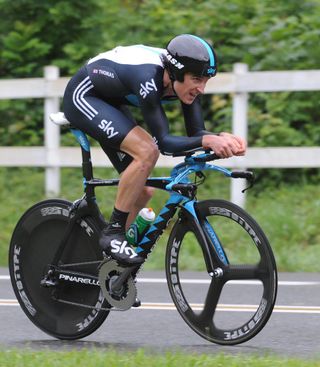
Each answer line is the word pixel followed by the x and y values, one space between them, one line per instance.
pixel 71 309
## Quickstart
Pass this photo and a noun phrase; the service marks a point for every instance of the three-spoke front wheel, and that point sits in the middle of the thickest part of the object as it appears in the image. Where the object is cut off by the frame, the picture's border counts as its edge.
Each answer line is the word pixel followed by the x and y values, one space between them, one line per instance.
pixel 233 303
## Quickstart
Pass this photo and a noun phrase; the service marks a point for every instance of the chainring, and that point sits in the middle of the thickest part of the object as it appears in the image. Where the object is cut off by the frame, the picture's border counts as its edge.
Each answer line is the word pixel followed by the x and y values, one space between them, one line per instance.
pixel 126 296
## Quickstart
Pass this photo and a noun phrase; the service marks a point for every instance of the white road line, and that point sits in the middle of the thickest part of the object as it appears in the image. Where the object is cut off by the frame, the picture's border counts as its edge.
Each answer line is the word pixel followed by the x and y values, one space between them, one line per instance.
pixel 244 282
pixel 207 281
pixel 199 307
pixel 9 302
pixel 233 307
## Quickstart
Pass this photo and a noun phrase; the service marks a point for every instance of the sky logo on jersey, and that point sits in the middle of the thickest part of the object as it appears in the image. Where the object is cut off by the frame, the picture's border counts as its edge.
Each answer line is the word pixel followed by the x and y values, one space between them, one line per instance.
pixel 107 128
pixel 148 88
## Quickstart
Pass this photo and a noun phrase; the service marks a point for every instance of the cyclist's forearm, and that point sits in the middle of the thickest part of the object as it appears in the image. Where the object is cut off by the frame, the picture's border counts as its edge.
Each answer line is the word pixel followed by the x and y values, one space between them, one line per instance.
pixel 172 144
pixel 204 132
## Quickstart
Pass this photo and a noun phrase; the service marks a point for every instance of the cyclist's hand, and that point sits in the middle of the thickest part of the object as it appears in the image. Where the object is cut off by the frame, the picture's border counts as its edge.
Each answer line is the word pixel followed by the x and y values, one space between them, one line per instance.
pixel 242 145
pixel 225 145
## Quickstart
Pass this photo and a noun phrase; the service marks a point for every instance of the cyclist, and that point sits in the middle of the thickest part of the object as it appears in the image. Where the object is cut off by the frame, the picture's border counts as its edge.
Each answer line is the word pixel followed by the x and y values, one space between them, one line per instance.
pixel 96 101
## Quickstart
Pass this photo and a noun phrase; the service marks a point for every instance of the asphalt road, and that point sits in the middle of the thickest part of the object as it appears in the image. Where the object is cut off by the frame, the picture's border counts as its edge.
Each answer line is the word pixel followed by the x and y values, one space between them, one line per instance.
pixel 292 331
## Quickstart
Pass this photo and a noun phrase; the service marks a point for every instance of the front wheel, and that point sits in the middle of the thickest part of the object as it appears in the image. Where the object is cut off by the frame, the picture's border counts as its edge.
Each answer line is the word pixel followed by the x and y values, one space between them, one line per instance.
pixel 72 308
pixel 231 302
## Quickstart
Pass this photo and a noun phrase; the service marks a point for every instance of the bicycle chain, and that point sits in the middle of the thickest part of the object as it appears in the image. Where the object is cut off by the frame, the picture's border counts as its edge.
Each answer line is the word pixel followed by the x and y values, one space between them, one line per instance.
pixel 80 264
pixel 121 302
pixel 87 306
pixel 118 302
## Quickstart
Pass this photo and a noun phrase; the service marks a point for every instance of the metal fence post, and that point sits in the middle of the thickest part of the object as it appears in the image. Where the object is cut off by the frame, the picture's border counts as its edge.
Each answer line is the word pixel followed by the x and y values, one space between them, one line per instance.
pixel 51 138
pixel 240 128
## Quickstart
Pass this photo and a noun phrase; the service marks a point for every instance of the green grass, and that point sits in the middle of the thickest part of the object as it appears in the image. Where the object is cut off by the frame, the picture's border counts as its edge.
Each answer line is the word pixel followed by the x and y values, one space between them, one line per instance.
pixel 289 215
pixel 92 358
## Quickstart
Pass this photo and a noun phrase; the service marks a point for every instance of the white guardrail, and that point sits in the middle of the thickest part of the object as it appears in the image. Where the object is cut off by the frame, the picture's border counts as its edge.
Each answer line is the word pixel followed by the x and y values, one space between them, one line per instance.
pixel 240 83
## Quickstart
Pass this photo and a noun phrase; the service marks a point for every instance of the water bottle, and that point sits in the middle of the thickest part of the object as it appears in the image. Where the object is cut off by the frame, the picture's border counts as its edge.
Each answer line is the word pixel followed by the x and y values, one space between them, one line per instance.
pixel 140 226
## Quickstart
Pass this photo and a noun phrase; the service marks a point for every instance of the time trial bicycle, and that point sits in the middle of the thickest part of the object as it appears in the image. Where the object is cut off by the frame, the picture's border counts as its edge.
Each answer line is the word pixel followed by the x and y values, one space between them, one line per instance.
pixel 67 286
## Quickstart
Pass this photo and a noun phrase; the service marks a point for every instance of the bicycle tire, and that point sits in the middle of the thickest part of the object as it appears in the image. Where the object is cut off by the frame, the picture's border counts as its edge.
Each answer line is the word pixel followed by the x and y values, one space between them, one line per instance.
pixel 252 279
pixel 34 243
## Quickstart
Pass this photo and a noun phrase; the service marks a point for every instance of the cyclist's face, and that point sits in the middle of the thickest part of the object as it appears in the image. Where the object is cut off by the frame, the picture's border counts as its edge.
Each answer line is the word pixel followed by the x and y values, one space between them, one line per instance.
pixel 190 88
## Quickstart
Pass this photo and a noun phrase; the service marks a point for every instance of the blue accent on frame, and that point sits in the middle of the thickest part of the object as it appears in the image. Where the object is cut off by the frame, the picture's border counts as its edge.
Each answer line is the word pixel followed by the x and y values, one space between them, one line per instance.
pixel 153 227
pixel 139 249
pixel 82 139
pixel 144 240
pixel 173 199
pixel 164 210
pixel 190 208
pixel 215 242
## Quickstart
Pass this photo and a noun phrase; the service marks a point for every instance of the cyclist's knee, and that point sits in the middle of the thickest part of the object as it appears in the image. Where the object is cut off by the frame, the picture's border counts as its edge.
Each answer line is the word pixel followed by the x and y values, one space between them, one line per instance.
pixel 149 149
pixel 154 153
pixel 141 146
pixel 147 154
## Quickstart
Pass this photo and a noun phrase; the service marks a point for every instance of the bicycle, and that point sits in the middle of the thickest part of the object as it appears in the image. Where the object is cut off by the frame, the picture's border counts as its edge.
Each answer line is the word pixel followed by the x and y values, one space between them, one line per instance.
pixel 67 287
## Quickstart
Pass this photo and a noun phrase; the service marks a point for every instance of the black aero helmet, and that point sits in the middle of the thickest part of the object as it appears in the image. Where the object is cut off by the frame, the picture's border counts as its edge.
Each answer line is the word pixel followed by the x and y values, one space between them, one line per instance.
pixel 187 53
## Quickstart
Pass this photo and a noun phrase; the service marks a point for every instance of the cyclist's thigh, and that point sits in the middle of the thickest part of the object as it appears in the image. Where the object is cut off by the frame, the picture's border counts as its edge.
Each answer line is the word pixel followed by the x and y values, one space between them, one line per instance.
pixel 107 124
pixel 119 159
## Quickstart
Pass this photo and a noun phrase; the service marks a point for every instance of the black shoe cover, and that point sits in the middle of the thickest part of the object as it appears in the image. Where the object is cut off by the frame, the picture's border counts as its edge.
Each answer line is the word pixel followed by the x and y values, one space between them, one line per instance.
pixel 117 246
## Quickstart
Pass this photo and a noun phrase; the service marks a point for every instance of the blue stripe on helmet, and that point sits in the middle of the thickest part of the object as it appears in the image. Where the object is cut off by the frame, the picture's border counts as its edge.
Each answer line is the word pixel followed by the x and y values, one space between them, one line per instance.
pixel 211 55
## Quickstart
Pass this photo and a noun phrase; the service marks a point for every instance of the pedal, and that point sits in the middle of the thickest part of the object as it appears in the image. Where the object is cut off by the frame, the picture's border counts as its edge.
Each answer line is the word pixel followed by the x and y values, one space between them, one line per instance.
pixel 49 280
pixel 47 283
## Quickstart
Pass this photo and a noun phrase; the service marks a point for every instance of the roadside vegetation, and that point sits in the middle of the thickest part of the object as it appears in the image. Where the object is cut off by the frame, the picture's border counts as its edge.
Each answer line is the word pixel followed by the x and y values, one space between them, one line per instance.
pixel 98 358
pixel 289 214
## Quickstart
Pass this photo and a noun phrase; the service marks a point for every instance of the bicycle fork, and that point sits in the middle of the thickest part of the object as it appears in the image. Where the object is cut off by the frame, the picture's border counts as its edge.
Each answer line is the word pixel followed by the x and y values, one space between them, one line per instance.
pixel 206 236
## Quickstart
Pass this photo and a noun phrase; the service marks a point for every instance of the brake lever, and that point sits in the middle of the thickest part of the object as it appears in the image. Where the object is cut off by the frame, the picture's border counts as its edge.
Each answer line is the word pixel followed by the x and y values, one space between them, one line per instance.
pixel 251 183
pixel 248 175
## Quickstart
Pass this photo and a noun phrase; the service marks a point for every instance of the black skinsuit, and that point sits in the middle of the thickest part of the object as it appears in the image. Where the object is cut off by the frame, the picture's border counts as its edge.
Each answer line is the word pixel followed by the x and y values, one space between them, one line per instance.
pixel 96 101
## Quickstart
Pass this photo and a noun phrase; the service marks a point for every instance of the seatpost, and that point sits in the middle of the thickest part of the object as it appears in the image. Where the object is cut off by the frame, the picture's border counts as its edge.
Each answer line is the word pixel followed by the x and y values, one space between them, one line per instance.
pixel 87 169
pixel 88 205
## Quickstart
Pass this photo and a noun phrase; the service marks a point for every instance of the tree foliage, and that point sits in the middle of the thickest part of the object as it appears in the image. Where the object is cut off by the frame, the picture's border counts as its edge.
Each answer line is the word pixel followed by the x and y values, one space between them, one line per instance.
pixel 267 35
pixel 36 33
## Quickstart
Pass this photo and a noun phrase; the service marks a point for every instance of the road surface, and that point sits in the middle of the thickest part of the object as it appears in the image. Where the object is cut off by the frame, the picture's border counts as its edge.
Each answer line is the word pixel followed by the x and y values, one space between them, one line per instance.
pixel 292 331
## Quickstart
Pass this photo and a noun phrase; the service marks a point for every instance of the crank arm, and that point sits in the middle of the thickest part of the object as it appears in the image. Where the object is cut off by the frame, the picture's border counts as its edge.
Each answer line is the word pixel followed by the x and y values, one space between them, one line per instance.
pixel 117 284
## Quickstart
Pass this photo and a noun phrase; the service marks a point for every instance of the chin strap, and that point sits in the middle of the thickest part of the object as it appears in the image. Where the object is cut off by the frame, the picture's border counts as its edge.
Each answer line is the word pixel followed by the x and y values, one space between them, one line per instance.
pixel 172 79
pixel 168 69
pixel 172 85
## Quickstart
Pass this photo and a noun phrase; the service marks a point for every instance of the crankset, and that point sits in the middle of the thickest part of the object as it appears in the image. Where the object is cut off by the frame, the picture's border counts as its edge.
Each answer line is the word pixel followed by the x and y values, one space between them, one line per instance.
pixel 121 296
